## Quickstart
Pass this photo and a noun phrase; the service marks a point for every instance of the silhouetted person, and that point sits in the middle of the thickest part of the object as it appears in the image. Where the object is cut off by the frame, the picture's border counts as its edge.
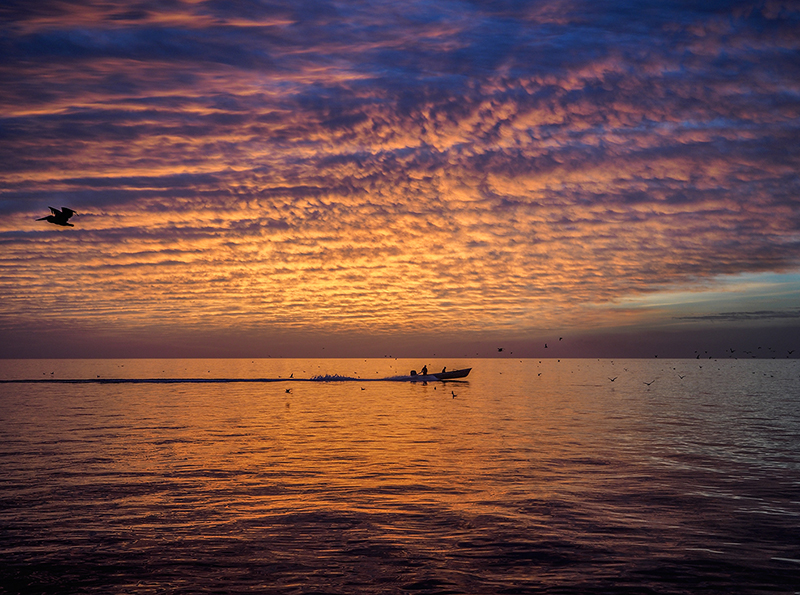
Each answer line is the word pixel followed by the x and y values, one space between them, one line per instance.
pixel 59 217
pixel 424 370
pixel 444 369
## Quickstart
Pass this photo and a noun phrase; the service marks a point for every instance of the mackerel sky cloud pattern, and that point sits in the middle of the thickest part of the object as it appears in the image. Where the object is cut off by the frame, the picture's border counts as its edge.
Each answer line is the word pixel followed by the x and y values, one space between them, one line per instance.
pixel 292 169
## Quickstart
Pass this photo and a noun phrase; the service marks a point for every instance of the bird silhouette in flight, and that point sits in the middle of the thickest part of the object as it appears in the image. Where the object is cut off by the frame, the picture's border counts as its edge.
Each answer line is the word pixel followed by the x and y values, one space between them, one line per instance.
pixel 59 217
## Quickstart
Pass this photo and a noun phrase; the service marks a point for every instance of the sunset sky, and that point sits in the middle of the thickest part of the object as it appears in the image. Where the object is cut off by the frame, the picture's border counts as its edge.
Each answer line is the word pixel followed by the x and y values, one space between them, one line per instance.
pixel 370 178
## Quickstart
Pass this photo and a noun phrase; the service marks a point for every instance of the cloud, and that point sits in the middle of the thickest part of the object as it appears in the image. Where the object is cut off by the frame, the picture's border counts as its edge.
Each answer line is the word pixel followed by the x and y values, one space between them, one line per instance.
pixel 745 316
pixel 505 166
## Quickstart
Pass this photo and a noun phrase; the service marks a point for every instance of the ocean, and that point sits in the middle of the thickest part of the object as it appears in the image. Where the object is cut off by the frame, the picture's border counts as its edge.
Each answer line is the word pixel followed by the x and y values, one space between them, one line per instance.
pixel 528 476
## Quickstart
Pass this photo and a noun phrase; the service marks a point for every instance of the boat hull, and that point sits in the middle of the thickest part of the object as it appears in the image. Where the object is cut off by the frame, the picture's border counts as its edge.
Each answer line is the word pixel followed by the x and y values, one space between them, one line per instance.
pixel 451 375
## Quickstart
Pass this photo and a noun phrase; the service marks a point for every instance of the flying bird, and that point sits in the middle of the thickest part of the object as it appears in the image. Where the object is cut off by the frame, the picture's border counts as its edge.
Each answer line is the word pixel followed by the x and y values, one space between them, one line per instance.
pixel 613 379
pixel 59 217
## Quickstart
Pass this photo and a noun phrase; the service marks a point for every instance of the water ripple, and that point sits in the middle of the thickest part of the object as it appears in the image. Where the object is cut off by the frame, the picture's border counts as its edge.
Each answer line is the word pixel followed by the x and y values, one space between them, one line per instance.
pixel 519 485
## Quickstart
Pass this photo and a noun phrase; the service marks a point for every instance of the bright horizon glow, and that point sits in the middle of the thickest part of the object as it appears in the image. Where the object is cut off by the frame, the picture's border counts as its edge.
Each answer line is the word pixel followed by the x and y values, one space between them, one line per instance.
pixel 746 290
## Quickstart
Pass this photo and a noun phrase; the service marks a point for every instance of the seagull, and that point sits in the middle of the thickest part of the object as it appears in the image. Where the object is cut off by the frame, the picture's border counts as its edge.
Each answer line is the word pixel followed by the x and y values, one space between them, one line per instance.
pixel 649 383
pixel 59 217
pixel 613 379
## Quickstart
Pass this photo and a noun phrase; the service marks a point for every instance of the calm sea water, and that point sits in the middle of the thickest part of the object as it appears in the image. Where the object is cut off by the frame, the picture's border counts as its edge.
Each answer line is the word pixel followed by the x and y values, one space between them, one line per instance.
pixel 529 477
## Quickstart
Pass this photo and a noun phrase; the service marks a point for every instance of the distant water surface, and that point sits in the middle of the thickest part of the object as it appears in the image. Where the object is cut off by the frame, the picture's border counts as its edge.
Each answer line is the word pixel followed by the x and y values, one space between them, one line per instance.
pixel 529 477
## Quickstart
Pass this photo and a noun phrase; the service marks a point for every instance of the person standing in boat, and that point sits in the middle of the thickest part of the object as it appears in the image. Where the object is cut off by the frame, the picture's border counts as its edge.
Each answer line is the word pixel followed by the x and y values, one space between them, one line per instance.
pixel 424 370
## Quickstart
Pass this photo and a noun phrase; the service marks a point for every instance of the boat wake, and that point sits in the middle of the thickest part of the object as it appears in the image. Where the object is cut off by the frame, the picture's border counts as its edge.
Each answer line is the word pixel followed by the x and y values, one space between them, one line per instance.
pixel 319 378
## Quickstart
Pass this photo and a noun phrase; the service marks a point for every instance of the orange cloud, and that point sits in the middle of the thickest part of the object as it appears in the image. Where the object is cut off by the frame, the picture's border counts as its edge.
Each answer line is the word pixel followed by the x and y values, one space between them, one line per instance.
pixel 302 172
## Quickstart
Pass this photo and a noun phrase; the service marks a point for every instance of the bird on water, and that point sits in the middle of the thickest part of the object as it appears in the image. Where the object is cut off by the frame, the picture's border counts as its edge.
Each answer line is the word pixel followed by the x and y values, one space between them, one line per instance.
pixel 59 217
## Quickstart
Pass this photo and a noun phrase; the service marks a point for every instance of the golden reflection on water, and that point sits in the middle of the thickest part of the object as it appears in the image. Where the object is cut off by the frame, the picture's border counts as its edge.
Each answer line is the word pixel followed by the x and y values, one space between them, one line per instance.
pixel 538 473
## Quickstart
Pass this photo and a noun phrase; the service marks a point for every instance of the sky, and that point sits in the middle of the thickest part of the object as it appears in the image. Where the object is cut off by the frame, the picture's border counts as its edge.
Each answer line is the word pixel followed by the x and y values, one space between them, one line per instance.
pixel 400 178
